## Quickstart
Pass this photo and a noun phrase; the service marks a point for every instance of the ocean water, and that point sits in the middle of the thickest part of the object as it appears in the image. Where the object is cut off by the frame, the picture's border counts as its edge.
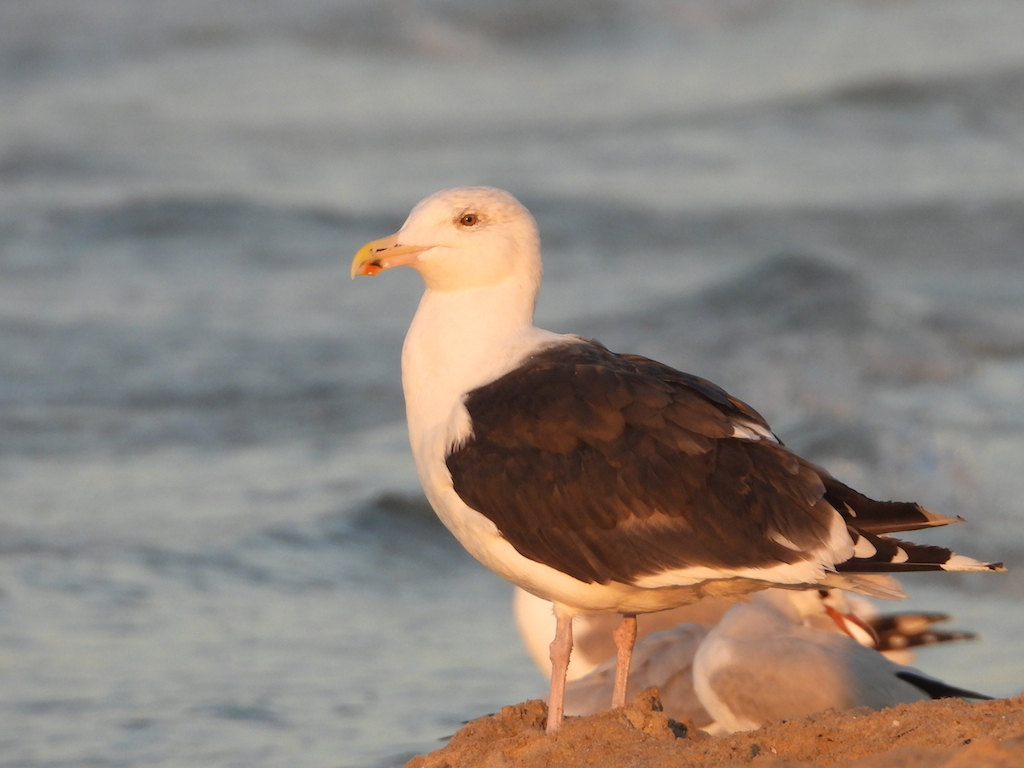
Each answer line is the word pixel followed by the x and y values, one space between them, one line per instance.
pixel 213 550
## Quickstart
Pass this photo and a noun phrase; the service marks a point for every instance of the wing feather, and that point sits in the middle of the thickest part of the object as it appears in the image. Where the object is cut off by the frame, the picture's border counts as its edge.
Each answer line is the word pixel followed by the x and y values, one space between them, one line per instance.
pixel 616 468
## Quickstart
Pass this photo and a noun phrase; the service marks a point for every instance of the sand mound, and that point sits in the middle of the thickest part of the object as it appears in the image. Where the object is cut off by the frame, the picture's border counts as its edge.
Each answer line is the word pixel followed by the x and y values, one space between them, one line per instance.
pixel 947 733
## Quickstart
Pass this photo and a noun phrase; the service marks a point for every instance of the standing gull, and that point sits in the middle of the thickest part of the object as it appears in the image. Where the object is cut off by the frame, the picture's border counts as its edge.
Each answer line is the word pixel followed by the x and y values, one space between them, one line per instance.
pixel 599 481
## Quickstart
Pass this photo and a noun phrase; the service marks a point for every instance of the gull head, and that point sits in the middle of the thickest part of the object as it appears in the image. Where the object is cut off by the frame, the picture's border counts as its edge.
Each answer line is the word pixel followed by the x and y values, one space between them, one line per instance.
pixel 468 237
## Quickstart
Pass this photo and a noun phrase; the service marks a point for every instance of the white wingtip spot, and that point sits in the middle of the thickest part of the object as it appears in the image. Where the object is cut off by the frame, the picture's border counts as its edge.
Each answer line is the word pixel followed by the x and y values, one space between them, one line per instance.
pixel 864 548
pixel 961 563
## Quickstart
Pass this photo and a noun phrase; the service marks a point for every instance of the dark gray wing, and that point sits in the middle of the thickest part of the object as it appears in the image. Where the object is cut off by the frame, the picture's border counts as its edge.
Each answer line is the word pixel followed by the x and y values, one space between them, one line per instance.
pixel 612 467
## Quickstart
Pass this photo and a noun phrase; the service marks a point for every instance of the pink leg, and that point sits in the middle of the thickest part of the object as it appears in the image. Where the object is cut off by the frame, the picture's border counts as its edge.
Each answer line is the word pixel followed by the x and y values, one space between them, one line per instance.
pixel 625 636
pixel 561 647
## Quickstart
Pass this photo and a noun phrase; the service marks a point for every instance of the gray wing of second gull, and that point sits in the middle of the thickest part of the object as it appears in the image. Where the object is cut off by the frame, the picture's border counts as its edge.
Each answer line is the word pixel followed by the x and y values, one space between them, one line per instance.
pixel 758 665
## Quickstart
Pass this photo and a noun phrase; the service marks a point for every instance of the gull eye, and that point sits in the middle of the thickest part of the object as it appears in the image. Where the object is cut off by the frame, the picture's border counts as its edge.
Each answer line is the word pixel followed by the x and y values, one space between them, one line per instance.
pixel 468 220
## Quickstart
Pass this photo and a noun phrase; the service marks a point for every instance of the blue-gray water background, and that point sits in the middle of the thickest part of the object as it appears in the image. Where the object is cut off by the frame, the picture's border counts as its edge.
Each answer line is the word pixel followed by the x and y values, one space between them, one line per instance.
pixel 212 548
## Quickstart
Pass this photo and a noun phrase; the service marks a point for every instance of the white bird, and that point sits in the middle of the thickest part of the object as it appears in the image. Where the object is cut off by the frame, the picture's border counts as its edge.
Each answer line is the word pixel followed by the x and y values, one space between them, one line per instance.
pixel 664 659
pixel 603 482
pixel 766 661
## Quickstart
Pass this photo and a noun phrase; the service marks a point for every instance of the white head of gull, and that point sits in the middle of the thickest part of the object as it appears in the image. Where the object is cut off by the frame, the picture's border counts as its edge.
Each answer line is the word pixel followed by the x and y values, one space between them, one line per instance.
pixel 605 482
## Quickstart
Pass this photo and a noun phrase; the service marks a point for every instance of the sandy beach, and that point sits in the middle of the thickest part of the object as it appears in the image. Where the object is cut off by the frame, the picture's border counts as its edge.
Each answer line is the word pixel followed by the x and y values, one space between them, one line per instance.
pixel 934 734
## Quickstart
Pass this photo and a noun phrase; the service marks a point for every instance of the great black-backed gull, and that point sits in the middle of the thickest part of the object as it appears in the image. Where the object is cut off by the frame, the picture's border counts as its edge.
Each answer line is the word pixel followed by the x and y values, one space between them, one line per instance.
pixel 600 481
